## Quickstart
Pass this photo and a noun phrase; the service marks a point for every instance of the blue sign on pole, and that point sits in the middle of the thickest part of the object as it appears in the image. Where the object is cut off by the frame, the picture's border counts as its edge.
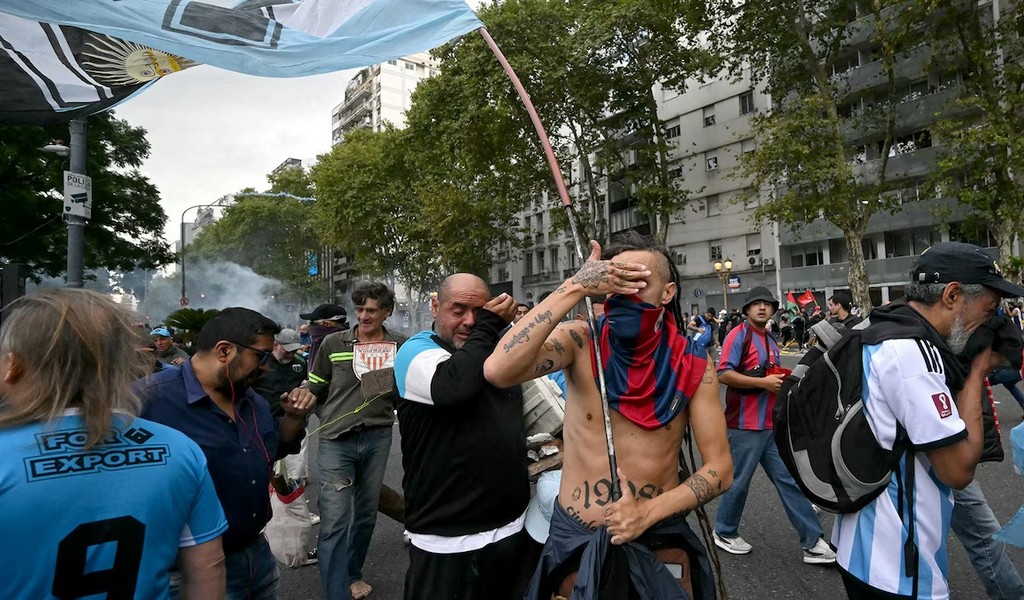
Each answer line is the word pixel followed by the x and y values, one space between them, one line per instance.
pixel 734 282
pixel 313 260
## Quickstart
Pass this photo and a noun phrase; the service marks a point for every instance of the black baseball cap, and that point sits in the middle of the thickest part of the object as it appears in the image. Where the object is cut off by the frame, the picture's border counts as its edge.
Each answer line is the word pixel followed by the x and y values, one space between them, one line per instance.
pixel 760 293
pixel 325 312
pixel 947 262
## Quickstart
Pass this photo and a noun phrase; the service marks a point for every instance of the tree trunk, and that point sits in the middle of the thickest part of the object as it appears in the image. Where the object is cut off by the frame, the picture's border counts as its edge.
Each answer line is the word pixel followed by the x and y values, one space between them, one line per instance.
pixel 858 269
pixel 1004 230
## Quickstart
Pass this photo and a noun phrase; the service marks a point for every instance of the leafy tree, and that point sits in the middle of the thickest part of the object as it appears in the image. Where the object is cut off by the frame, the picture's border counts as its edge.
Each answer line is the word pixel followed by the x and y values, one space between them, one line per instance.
pixel 983 155
pixel 272 235
pixel 127 222
pixel 824 148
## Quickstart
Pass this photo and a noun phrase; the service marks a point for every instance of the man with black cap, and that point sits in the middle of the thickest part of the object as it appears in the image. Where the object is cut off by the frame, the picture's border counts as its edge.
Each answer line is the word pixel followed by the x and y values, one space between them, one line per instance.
pixel 839 307
pixel 749 357
pixel 917 390
pixel 323 321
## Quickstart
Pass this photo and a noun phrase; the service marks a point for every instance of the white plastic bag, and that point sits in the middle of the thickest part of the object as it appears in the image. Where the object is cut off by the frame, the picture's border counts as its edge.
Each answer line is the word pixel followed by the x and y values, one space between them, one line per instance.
pixel 290 530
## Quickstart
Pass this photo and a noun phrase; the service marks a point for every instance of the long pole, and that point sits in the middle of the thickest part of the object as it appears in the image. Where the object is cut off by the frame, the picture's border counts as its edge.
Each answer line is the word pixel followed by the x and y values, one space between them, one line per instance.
pixel 76 224
pixel 181 257
pixel 563 193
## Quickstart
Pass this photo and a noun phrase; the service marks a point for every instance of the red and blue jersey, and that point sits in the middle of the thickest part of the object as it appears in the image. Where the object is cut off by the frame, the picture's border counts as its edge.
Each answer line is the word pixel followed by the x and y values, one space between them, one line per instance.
pixel 745 349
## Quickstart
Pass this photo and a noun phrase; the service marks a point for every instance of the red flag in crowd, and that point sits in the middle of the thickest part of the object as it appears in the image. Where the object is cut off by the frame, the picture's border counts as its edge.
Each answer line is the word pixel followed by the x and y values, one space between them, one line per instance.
pixel 805 299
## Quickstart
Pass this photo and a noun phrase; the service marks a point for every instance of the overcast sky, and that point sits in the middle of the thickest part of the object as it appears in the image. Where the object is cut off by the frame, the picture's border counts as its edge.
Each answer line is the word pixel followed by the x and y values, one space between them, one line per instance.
pixel 214 132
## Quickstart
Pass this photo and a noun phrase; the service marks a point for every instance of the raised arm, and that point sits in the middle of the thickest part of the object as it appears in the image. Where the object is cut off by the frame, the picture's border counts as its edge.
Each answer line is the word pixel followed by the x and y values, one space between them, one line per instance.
pixel 533 347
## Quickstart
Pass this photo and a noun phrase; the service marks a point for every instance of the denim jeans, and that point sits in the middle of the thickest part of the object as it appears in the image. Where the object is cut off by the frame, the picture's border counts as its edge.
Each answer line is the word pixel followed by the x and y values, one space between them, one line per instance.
pixel 750 448
pixel 1008 378
pixel 974 524
pixel 252 574
pixel 351 469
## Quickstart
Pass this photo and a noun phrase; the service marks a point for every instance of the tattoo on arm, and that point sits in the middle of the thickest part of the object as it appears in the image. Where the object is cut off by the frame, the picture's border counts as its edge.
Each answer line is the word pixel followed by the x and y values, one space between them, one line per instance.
pixel 576 338
pixel 558 347
pixel 702 489
pixel 591 275
pixel 709 374
pixel 545 366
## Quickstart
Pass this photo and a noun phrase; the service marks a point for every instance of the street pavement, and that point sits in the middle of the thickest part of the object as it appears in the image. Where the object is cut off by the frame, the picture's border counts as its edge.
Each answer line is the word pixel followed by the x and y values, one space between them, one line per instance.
pixel 773 570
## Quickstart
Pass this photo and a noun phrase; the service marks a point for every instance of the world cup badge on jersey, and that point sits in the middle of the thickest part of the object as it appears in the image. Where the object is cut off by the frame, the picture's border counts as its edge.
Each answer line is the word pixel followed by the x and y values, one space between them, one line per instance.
pixel 371 356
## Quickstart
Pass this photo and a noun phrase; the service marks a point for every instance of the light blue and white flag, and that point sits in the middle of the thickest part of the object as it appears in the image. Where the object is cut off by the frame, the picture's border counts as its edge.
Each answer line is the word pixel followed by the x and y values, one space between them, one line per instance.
pixel 272 38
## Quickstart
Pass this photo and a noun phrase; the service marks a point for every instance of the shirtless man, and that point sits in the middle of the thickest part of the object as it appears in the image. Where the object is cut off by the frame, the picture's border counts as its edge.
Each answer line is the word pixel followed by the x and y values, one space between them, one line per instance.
pixel 647 442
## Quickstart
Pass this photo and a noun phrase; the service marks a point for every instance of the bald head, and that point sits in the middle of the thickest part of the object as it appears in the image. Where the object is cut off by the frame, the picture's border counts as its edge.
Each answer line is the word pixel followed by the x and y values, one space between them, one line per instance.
pixel 459 282
pixel 454 309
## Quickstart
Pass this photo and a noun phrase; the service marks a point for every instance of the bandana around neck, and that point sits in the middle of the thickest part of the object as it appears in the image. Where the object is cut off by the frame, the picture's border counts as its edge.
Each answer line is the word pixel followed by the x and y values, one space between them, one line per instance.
pixel 651 370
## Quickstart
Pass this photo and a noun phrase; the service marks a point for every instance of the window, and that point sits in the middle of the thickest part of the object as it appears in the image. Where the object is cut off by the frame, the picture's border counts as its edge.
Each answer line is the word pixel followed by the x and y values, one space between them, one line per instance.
pixel 747 103
pixel 748 146
pixel 502 274
pixel 540 261
pixel 410 66
pixel 540 222
pixel 714 205
pixel 527 264
pixel 679 255
pixel 673 132
pixel 709 115
pixel 554 258
pixel 754 244
pixel 898 243
pixel 393 62
pixel 675 173
pixel 869 249
pixel 716 251
pixel 712 163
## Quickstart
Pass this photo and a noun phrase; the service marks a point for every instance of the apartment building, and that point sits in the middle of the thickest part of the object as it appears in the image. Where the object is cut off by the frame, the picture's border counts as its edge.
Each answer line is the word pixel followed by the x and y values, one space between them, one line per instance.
pixel 380 94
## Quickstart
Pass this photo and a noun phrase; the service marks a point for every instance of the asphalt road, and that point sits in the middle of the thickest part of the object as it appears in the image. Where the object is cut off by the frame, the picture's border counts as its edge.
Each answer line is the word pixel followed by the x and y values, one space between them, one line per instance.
pixel 773 570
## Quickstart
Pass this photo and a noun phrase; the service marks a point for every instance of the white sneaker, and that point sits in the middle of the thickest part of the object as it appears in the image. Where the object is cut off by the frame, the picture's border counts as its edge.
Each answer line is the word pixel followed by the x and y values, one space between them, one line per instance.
pixel 820 554
pixel 736 545
pixel 314 519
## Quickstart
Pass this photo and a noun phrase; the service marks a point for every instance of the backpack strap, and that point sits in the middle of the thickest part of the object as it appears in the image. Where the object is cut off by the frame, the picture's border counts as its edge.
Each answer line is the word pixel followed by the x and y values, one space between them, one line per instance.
pixel 910 552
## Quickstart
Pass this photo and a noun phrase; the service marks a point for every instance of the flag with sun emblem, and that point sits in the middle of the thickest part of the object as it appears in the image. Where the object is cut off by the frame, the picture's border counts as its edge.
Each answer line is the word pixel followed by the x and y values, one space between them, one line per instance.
pixel 53 73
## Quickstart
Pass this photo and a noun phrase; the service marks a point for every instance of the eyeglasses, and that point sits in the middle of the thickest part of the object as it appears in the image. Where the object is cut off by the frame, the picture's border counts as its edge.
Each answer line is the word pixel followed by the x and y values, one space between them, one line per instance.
pixel 263 354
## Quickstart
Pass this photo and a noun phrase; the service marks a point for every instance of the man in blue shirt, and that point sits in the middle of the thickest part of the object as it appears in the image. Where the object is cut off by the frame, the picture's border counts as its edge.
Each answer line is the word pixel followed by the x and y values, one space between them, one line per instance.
pixel 97 502
pixel 209 399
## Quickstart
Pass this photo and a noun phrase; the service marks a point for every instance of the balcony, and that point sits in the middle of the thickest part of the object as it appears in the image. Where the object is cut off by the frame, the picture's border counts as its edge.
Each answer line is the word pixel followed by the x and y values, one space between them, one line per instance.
pixel 540 239
pixel 909 67
pixel 885 270
pixel 911 165
pixel 535 279
pixel 911 114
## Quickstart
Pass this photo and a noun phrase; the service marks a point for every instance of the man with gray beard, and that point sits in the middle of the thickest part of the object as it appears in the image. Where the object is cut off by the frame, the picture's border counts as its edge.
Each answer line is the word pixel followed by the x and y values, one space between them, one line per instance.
pixel 916 390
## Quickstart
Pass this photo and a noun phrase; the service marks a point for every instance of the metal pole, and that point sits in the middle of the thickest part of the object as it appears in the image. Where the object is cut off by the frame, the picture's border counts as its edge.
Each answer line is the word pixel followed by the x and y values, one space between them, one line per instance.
pixel 76 224
pixel 182 261
pixel 563 193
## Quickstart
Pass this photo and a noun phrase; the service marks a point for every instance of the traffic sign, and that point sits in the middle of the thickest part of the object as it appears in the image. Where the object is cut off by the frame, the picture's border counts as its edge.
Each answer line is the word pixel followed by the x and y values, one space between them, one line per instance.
pixel 77 195
pixel 697 292
pixel 734 282
pixel 184 301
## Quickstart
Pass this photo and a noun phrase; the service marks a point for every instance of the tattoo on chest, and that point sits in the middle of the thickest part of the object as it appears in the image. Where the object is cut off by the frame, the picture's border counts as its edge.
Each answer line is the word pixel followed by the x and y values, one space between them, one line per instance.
pixel 576 338
pixel 702 489
pixel 591 275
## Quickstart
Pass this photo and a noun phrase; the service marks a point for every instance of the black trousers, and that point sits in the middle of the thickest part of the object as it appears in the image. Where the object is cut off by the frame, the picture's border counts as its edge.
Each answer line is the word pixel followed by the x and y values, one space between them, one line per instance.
pixel 858 590
pixel 498 571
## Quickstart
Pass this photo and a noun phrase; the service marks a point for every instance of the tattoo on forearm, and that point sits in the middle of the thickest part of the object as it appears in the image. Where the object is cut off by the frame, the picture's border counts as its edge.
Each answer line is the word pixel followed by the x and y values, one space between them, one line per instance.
pixel 561 289
pixel 576 338
pixel 545 366
pixel 519 338
pixel 591 275
pixel 544 317
pixel 709 374
pixel 702 489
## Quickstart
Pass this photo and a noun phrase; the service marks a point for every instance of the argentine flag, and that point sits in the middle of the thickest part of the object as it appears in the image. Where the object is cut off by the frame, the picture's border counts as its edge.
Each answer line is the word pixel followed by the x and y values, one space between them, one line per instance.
pixel 61 59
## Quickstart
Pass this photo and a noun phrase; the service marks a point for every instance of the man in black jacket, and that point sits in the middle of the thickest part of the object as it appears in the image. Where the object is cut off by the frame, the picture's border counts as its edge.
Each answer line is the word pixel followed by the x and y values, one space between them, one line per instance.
pixel 463 452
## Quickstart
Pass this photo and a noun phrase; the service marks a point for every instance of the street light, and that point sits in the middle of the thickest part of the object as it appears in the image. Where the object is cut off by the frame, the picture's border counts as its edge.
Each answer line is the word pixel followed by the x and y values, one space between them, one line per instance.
pixel 723 269
pixel 184 297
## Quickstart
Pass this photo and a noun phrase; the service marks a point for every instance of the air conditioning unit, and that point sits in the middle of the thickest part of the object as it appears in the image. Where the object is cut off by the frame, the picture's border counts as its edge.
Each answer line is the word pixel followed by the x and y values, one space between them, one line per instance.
pixel 754 260
pixel 768 262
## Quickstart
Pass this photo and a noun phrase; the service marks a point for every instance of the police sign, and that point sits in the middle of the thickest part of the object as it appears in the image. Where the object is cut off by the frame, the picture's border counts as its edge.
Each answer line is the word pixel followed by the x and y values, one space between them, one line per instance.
pixel 77 195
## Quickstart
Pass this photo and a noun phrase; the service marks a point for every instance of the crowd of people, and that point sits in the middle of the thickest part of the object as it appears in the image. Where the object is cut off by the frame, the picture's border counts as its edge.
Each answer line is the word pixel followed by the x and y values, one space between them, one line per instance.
pixel 143 470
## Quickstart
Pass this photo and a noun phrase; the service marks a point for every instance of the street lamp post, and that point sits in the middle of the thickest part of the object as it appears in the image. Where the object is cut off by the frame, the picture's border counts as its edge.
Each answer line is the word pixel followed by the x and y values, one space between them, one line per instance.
pixel 184 296
pixel 723 269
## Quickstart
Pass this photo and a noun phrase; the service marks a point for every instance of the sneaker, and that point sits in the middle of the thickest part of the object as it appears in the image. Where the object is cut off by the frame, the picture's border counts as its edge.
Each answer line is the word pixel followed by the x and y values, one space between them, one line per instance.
pixel 314 519
pixel 820 554
pixel 736 545
pixel 311 558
